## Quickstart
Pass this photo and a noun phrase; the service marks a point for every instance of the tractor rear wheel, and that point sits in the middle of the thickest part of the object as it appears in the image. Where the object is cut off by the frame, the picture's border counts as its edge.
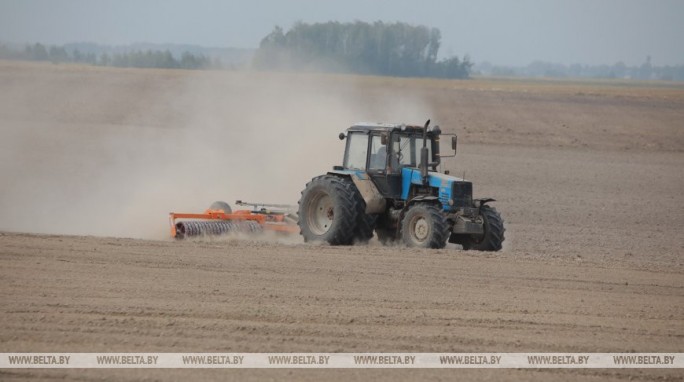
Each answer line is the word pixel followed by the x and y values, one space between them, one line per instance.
pixel 493 236
pixel 223 206
pixel 328 210
pixel 424 226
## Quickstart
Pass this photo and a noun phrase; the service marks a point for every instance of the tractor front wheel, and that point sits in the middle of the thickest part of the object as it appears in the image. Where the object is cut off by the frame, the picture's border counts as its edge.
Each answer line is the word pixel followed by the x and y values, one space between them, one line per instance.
pixel 424 226
pixel 328 210
pixel 493 236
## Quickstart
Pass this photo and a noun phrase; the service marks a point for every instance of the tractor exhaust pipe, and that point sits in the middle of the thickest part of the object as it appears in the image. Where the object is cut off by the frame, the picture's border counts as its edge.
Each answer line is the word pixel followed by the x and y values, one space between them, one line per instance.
pixel 424 160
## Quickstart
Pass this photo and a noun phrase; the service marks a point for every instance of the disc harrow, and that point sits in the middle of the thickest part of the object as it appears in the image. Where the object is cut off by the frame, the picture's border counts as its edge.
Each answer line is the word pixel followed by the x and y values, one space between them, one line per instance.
pixel 215 228
pixel 214 222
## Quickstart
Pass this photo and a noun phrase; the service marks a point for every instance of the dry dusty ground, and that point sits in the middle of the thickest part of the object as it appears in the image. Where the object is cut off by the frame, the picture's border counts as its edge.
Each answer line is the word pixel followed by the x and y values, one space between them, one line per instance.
pixel 587 175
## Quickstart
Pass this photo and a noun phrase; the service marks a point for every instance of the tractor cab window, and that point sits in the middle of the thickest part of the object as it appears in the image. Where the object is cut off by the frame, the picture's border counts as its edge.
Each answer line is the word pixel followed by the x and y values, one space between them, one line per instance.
pixel 378 157
pixel 406 151
pixel 357 151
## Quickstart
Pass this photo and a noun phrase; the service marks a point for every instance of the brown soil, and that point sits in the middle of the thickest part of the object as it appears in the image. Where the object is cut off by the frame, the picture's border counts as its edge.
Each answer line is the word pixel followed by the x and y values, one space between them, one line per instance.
pixel 588 177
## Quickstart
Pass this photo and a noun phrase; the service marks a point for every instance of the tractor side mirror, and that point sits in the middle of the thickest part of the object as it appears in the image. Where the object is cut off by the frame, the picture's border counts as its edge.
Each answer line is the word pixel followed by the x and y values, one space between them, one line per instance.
pixel 384 138
pixel 444 151
pixel 342 136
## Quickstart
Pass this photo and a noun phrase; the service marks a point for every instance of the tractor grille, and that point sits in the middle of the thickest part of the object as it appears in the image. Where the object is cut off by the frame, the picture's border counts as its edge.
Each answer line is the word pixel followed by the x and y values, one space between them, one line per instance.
pixel 462 193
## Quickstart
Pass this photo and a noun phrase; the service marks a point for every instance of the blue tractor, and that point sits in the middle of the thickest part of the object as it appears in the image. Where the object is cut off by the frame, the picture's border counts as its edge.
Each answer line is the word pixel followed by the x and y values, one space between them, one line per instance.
pixel 389 185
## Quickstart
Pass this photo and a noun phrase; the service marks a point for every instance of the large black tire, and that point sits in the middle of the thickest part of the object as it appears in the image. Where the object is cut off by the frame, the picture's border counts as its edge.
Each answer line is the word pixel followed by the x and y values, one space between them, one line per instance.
pixel 328 210
pixel 493 237
pixel 424 226
pixel 365 223
pixel 225 207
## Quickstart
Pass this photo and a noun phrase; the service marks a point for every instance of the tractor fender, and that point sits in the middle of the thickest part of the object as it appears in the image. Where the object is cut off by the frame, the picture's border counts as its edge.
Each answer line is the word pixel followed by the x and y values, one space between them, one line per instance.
pixel 423 198
pixel 375 201
pixel 483 201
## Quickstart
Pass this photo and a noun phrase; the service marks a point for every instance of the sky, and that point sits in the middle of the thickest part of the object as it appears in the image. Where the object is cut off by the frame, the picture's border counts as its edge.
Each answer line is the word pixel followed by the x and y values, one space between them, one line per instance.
pixel 502 32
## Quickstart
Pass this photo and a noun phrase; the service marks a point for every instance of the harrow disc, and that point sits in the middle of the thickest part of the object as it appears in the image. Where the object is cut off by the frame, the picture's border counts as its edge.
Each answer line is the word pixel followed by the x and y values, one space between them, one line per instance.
pixel 214 228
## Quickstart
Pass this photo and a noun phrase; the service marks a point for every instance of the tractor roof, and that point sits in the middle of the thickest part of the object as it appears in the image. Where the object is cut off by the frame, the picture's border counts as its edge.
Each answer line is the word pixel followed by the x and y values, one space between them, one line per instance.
pixel 375 126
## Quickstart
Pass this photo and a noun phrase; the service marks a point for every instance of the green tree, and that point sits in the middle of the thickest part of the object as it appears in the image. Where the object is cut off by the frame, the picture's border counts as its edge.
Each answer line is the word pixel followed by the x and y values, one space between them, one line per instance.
pixel 396 49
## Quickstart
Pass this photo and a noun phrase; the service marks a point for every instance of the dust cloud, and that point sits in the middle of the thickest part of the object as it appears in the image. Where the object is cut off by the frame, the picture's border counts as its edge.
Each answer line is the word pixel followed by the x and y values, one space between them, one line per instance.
pixel 110 152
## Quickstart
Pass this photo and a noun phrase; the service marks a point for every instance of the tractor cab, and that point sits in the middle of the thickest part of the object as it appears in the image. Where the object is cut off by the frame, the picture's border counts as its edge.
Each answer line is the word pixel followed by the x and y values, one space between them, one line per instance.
pixel 384 150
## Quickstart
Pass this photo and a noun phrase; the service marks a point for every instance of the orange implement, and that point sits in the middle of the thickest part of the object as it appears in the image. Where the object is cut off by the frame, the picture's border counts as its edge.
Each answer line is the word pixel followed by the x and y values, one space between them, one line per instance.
pixel 215 222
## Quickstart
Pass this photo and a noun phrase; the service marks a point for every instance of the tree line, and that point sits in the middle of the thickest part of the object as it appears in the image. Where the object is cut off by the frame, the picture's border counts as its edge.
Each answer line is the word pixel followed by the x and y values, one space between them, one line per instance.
pixel 132 59
pixel 337 47
pixel 619 70
pixel 390 49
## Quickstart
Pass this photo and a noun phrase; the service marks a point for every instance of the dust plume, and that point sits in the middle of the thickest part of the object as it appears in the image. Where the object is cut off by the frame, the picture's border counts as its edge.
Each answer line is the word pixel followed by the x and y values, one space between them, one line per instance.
pixel 97 151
